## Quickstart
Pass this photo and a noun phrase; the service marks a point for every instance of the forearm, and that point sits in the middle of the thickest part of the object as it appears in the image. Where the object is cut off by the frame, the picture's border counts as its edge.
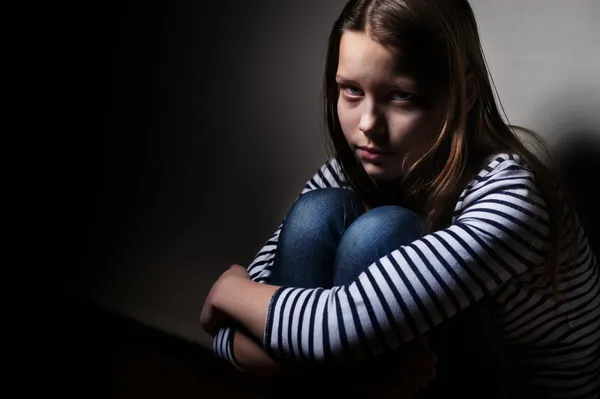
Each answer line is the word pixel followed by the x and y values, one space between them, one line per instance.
pixel 251 357
pixel 246 302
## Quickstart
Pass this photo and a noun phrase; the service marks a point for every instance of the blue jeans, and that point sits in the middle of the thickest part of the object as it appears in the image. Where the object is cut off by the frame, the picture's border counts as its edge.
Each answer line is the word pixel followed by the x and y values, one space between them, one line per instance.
pixel 328 239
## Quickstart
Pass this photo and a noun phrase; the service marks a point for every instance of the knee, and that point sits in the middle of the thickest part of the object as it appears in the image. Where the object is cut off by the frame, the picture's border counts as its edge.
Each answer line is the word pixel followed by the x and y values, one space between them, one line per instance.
pixel 317 206
pixel 384 226
pixel 374 234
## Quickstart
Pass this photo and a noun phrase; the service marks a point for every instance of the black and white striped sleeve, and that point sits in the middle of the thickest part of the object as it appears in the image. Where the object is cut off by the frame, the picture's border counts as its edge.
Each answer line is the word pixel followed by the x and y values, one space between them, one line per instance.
pixel 498 232
pixel 328 175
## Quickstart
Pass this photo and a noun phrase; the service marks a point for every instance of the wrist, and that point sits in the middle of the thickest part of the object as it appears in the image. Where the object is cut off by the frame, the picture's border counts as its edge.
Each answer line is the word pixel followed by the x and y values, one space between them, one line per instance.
pixel 224 292
pixel 246 302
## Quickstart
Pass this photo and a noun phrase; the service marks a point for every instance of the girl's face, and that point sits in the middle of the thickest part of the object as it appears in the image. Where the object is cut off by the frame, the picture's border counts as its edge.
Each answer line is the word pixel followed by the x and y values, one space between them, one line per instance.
pixel 381 112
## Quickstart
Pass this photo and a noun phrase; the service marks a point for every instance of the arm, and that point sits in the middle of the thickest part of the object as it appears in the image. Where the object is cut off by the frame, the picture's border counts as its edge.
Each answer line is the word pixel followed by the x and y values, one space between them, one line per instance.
pixel 499 232
pixel 246 354
pixel 251 357
pixel 243 352
pixel 233 345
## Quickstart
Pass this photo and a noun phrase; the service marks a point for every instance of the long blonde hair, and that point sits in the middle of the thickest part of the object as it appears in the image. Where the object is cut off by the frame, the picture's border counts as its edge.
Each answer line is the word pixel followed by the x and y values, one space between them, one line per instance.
pixel 441 48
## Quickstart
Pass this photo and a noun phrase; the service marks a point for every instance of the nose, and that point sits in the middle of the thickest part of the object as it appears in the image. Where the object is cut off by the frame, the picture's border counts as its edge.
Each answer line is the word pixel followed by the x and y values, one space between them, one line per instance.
pixel 371 123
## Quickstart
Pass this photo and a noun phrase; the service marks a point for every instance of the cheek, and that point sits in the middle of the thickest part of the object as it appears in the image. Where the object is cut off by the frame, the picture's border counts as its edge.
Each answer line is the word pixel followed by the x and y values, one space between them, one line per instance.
pixel 349 119
pixel 412 127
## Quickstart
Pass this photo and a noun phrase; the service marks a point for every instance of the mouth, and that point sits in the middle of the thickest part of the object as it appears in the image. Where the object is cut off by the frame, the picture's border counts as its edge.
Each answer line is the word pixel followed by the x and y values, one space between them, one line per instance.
pixel 372 154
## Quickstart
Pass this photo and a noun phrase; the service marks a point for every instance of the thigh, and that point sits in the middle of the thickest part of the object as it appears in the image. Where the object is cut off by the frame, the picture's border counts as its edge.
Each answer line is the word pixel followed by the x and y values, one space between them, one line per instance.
pixel 310 235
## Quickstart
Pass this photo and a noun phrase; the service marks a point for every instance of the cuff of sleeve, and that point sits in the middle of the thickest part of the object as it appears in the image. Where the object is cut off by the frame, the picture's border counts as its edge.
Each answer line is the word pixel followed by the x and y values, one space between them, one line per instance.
pixel 223 346
pixel 267 342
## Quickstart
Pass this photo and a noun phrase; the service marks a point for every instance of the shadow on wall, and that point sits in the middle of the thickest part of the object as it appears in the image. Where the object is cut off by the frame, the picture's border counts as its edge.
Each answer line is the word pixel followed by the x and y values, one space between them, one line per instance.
pixel 579 170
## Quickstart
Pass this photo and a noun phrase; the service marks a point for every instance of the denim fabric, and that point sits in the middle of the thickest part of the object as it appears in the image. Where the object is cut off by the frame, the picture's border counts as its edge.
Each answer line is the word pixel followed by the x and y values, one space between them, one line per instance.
pixel 328 238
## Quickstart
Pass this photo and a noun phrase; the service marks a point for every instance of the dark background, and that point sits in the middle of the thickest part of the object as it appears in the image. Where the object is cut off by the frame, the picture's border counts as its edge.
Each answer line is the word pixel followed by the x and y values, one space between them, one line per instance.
pixel 183 130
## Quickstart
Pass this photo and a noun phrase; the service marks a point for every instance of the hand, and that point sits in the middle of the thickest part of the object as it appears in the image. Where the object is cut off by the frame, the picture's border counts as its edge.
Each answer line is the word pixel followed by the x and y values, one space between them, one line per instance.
pixel 212 318
pixel 402 373
pixel 236 270
pixel 417 368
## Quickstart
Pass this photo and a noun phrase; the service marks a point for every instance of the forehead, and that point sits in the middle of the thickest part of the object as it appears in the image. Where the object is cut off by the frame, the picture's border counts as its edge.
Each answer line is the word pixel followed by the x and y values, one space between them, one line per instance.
pixel 359 51
pixel 363 59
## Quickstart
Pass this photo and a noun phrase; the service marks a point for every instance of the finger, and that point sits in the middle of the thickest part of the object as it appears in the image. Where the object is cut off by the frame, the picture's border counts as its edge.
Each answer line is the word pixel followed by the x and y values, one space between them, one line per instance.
pixel 419 382
pixel 424 373
pixel 419 343
pixel 417 366
pixel 409 355
pixel 421 340
pixel 211 327
pixel 419 373
pixel 412 384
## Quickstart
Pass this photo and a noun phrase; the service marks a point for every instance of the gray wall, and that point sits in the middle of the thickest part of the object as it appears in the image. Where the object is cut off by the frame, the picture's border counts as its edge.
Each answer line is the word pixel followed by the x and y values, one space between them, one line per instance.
pixel 201 123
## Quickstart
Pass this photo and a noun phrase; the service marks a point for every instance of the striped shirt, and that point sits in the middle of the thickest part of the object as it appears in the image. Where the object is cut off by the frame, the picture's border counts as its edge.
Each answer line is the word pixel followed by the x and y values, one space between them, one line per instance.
pixel 496 247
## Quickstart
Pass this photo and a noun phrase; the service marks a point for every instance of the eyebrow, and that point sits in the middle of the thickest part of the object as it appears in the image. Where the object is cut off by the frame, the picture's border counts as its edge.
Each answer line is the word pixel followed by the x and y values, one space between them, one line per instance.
pixel 340 77
pixel 397 81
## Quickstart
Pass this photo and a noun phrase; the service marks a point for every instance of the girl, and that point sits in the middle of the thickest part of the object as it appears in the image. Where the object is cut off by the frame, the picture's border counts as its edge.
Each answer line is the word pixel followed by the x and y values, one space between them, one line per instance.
pixel 431 210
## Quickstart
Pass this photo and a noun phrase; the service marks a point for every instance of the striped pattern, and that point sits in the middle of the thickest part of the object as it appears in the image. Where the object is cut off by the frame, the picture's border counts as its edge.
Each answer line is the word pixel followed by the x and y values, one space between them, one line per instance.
pixel 495 247
pixel 223 345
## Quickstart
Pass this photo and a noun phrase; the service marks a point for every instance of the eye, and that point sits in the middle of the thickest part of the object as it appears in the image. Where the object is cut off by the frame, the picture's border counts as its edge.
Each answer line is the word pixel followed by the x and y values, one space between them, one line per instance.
pixel 400 96
pixel 352 91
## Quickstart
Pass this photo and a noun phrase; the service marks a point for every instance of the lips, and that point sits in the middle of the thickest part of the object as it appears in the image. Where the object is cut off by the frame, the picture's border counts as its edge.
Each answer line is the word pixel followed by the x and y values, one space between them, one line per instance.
pixel 374 150
pixel 372 154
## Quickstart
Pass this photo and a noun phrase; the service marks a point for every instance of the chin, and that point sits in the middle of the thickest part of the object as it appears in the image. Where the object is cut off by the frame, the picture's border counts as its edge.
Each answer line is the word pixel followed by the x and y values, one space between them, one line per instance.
pixel 381 172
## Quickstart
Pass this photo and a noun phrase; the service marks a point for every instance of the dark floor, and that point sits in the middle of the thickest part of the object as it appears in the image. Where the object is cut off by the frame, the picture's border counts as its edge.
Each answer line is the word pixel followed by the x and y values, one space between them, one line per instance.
pixel 102 355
